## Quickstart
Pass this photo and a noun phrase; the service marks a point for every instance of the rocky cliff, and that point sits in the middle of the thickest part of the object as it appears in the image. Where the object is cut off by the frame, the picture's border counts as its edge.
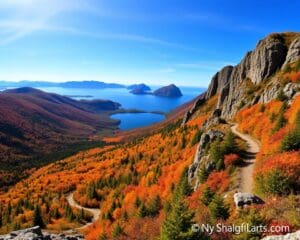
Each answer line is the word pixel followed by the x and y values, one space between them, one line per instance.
pixel 257 78
pixel 232 83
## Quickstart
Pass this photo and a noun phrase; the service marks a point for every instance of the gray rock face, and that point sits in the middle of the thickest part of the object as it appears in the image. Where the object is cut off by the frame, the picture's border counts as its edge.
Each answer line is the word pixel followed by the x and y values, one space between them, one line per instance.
pixel 289 236
pixel 199 102
pixel 289 90
pixel 205 139
pixel 294 52
pixel 268 56
pixel 219 80
pixel 36 233
pixel 242 199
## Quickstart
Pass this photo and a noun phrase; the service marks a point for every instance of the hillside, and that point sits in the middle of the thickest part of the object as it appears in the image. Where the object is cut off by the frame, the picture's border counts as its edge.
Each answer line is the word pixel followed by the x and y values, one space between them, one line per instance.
pixel 34 124
pixel 189 170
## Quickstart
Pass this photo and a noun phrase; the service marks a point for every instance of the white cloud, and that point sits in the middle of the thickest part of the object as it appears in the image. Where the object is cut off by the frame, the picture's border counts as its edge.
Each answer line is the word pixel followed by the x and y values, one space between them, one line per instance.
pixel 22 17
pixel 204 65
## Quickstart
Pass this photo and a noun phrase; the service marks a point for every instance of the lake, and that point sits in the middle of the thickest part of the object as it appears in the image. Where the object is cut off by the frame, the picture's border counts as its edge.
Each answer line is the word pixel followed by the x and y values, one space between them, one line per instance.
pixel 136 120
pixel 147 103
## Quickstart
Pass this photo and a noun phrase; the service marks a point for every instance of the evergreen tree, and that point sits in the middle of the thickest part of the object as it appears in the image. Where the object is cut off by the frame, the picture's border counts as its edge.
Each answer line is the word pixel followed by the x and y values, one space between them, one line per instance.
pixel 230 145
pixel 291 142
pixel 55 213
pixel 216 153
pixel 196 137
pixel 218 209
pixel 207 196
pixel 178 223
pixel 137 202
pixel 37 217
pixel 103 236
pixel 69 213
pixel 117 231
pixel 281 96
pixel 154 206
pixel 91 191
pixel 185 187
pixel 203 174
pixel 281 121
pixel 142 212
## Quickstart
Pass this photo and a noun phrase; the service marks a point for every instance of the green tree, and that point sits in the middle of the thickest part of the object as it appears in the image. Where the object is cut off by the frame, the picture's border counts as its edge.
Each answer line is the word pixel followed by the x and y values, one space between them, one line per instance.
pixel 154 206
pixel 142 212
pixel 37 217
pixel 281 121
pixel 69 213
pixel 207 196
pixel 230 144
pixel 91 191
pixel 291 142
pixel 103 236
pixel 274 182
pixel 203 174
pixel 178 222
pixel 218 209
pixel 216 153
pixel 137 202
pixel 117 231
pixel 281 96
pixel 196 137
pixel 185 187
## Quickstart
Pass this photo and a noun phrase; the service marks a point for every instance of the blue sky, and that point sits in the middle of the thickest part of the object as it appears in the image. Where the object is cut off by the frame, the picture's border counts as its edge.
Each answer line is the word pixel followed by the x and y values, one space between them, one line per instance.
pixel 156 42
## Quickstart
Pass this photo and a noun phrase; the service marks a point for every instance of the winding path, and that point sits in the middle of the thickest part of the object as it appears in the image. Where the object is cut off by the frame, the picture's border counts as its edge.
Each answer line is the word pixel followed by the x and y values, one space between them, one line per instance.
pixel 94 211
pixel 246 173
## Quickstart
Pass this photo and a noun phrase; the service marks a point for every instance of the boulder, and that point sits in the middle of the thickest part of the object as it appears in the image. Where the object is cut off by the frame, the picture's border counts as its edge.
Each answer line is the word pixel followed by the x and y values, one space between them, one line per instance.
pixel 199 157
pixel 243 199
pixel 289 236
pixel 36 233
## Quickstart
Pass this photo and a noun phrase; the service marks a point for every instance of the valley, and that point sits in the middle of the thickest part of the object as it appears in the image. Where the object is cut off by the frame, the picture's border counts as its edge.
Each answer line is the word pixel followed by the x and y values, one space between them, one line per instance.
pixel 241 135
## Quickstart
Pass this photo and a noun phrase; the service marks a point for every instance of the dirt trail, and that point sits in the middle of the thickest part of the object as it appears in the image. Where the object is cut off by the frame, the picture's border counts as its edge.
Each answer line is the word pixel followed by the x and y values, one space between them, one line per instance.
pixel 246 173
pixel 94 211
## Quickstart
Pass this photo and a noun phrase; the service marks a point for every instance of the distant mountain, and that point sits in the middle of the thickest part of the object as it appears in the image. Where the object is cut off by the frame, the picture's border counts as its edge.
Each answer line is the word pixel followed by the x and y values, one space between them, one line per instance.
pixel 90 84
pixel 139 88
pixel 170 91
pixel 34 123
pixel 70 84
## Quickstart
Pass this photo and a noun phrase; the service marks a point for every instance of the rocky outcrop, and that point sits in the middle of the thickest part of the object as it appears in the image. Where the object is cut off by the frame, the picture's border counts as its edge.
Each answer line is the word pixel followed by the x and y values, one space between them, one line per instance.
pixel 36 233
pixel 219 80
pixel 289 236
pixel 289 90
pixel 268 56
pixel 199 102
pixel 293 53
pixel 205 139
pixel 243 199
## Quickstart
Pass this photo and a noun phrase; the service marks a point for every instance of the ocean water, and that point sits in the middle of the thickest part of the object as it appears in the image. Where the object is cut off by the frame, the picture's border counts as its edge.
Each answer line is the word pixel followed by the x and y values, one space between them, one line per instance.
pixel 131 101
